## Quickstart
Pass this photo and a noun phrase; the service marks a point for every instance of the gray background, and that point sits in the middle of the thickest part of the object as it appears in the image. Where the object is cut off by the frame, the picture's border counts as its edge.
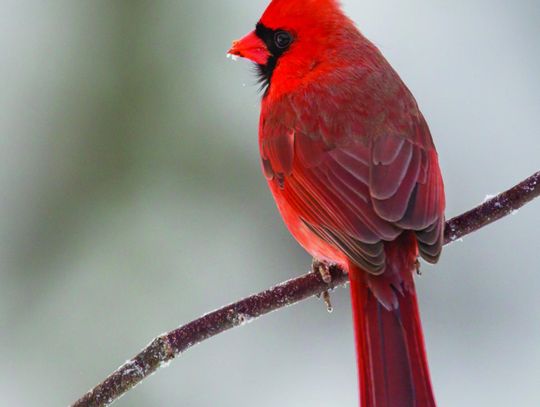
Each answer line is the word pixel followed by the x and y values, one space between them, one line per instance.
pixel 131 201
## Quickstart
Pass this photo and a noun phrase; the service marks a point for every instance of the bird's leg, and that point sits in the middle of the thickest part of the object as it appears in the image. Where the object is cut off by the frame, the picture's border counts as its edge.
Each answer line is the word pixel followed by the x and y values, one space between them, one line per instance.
pixel 323 268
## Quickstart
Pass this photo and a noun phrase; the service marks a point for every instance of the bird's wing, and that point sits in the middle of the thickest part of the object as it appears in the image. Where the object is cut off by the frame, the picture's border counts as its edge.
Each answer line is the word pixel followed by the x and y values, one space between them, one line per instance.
pixel 357 176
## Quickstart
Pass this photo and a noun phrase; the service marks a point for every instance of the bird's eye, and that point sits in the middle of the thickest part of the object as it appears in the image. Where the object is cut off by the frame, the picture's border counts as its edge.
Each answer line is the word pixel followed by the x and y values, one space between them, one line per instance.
pixel 282 39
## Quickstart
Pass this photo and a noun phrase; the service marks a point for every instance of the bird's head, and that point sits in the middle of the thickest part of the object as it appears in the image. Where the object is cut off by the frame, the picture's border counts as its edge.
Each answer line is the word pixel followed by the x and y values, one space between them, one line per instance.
pixel 292 37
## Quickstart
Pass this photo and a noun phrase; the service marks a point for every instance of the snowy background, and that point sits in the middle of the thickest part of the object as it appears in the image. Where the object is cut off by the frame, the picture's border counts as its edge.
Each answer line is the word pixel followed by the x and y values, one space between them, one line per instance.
pixel 131 202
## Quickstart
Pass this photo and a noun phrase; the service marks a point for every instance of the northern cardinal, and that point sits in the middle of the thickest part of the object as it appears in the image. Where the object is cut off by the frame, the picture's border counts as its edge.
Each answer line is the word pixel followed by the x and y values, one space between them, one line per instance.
pixel 352 166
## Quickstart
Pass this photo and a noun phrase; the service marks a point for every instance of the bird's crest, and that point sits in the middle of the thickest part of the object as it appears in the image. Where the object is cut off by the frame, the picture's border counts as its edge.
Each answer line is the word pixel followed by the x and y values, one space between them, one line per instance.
pixel 285 13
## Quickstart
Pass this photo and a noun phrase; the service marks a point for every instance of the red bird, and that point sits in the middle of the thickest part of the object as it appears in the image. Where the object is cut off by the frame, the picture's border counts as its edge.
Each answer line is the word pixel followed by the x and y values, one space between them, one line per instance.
pixel 352 166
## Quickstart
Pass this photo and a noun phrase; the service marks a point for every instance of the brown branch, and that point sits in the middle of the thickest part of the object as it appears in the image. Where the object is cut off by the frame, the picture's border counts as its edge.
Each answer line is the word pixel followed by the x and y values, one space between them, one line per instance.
pixel 167 346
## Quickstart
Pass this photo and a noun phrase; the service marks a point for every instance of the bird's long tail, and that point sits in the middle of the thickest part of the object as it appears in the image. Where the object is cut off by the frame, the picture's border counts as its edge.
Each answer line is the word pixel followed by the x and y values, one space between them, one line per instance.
pixel 392 363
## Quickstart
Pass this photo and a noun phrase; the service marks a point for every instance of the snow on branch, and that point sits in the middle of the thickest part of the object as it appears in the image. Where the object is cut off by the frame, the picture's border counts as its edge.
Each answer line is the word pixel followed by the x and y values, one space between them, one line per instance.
pixel 167 346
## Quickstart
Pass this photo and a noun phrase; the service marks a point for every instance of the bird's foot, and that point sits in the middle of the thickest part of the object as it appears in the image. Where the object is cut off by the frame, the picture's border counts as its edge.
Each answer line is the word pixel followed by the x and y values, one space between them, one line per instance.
pixel 323 268
pixel 417 267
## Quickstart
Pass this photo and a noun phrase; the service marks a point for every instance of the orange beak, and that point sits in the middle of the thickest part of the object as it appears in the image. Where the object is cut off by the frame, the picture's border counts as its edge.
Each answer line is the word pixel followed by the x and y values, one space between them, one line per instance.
pixel 251 47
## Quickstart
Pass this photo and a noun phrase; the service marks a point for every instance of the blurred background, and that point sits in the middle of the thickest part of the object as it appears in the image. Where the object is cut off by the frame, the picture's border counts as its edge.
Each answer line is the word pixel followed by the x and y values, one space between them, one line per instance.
pixel 131 202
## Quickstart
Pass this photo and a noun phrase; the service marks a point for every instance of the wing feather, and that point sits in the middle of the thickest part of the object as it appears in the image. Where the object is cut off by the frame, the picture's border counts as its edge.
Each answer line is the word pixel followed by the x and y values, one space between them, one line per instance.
pixel 356 183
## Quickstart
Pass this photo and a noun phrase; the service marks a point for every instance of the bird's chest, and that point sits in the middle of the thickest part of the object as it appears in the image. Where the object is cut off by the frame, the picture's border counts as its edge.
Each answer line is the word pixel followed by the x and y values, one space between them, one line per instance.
pixel 295 210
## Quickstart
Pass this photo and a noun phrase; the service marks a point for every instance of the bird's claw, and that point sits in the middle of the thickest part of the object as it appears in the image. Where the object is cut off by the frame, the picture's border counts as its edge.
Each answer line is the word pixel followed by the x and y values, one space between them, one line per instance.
pixel 327 301
pixel 417 267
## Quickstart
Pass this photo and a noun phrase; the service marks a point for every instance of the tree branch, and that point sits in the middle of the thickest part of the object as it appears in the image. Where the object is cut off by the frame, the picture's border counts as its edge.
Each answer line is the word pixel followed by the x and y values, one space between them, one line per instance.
pixel 167 346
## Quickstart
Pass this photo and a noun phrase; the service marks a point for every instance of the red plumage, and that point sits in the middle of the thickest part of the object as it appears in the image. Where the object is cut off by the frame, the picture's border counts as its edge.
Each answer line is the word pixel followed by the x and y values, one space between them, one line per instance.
pixel 350 161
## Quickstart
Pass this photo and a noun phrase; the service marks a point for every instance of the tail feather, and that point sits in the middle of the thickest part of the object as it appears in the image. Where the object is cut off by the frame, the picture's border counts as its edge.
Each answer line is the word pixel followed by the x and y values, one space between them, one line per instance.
pixel 392 362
